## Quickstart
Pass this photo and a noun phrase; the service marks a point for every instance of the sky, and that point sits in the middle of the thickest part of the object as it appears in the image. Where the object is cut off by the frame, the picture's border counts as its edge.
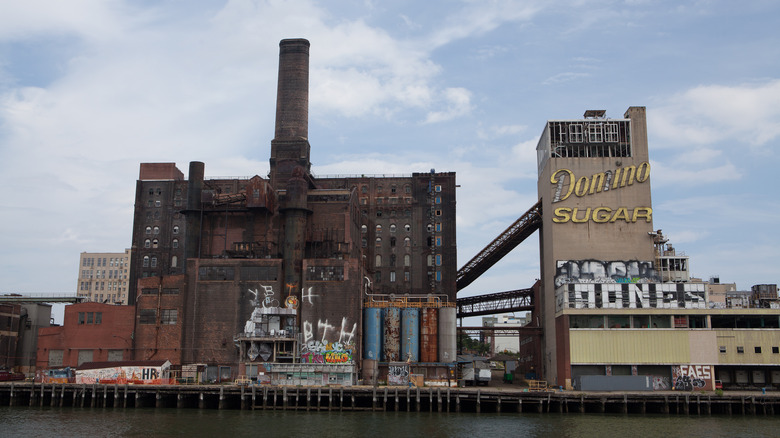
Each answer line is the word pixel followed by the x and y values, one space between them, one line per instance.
pixel 89 89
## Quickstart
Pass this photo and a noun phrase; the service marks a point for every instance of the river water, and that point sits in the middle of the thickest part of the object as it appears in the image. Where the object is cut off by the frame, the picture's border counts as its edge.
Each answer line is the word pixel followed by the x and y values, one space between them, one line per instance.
pixel 82 422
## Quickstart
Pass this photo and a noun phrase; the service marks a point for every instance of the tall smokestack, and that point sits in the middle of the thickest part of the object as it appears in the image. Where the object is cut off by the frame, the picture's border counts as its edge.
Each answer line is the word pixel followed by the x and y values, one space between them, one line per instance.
pixel 292 93
pixel 290 146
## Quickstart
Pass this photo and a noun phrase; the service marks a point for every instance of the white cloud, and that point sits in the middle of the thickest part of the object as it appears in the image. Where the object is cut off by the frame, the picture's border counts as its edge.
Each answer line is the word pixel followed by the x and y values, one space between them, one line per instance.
pixel 743 114
pixel 684 172
pixel 458 102
pixel 563 77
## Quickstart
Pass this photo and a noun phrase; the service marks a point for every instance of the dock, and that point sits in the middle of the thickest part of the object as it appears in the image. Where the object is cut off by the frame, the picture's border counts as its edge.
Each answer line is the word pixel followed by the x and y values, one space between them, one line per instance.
pixel 383 398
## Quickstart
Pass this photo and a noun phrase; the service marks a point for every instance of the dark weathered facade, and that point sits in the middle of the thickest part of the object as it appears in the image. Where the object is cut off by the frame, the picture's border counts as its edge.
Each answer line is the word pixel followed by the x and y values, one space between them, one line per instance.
pixel 256 273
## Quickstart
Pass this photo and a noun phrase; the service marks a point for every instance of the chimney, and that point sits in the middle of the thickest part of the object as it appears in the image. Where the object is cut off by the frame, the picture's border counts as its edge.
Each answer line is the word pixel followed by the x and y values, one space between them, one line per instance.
pixel 290 146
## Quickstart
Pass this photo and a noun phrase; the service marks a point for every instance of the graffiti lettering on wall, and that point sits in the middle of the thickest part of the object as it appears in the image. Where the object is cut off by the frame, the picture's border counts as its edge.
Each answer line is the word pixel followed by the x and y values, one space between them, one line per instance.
pixel 597 271
pixel 124 375
pixel 325 348
pixel 346 334
pixel 398 375
pixel 661 383
pixel 631 296
pixel 267 300
pixel 692 377
pixel 307 295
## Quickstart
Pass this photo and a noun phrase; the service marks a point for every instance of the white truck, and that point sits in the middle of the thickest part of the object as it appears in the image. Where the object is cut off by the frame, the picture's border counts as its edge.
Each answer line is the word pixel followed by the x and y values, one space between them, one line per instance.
pixel 475 374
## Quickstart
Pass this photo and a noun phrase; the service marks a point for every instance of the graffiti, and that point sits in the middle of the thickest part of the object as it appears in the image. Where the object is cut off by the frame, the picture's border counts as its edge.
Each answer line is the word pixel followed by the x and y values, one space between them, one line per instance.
pixel 324 352
pixel 345 336
pixel 307 331
pixel 338 357
pixel 308 295
pixel 597 271
pixel 661 383
pixel 124 375
pixel 291 302
pixel 324 326
pixel 268 297
pixel 291 287
pixel 398 375
pixel 692 377
pixel 633 296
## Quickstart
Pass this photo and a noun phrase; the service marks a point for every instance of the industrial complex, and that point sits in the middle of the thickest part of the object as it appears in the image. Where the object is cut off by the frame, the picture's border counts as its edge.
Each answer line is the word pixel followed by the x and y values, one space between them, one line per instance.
pixel 296 279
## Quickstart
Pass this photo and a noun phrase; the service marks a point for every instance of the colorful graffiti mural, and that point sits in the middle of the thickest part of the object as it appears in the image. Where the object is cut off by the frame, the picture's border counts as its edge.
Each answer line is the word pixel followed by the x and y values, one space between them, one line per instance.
pixel 138 375
pixel 631 296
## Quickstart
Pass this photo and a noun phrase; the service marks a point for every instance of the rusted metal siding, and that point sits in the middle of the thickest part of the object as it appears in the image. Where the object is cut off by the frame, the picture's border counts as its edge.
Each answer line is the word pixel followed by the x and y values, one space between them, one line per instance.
pixel 429 326
pixel 392 335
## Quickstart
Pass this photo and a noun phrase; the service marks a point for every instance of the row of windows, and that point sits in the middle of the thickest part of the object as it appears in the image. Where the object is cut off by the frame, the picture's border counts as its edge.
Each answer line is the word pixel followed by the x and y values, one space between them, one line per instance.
pixel 154 243
pixel 407 213
pixel 98 273
pixel 149 316
pixel 101 285
pixel 756 349
pixel 407 260
pixel 104 261
pixel 90 317
pixel 151 262
pixel 156 230
pixel 407 276
pixel 393 189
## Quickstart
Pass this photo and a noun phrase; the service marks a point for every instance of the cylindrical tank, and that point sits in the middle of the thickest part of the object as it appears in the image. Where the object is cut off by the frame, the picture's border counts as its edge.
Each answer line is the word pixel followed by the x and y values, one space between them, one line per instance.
pixel 392 339
pixel 410 335
pixel 429 329
pixel 447 335
pixel 372 333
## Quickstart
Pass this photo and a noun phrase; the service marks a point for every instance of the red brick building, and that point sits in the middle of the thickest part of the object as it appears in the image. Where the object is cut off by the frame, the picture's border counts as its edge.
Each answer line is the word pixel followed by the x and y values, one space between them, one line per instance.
pixel 91 332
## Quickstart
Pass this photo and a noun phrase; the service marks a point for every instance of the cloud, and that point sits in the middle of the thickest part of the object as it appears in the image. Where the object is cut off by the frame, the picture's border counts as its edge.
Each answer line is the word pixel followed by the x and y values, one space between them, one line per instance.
pixel 683 172
pixel 743 114
pixel 564 77
pixel 458 103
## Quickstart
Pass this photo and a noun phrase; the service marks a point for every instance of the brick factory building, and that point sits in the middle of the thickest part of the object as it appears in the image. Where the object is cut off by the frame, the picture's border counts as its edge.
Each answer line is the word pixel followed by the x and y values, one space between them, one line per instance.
pixel 270 276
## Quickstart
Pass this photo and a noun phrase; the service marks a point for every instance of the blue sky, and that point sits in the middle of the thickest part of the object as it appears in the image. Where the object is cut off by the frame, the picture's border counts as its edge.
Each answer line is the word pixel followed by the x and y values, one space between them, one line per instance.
pixel 91 88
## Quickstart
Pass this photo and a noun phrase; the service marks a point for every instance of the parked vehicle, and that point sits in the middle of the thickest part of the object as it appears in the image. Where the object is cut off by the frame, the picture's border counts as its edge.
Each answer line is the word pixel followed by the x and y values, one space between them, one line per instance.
pixel 7 376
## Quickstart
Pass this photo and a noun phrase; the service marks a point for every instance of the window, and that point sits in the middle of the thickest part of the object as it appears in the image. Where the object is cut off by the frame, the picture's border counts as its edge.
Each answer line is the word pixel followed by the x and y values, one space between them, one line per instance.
pixel 392 259
pixel 438 259
pixel 175 229
pixel 379 229
pixel 611 132
pixel 364 229
pixel 757 350
pixel 378 260
pixel 174 262
pixel 775 350
pixel 438 212
pixel 81 317
pixel 156 230
pixel 723 349
pixel 364 242
pixel 407 260
pixel 364 189
pixel 429 228
pixel 430 260
pixel 438 187
pixel 438 240
pixel 595 133
pixel 147 316
pixel 155 243
pixel 378 241
pixel 146 261
pixel 392 189
pixel 175 243
pixel 157 203
pixel 407 228
pixel 154 262
pixel 392 228
pixel 147 243
pixel 438 199
pixel 408 188
pixel 148 230
pixel 392 276
pixel 98 317
pixel 407 275
pixel 168 316
pixel 438 275
pixel 740 350
pixel 575 133
pixel 392 241
pixel 407 242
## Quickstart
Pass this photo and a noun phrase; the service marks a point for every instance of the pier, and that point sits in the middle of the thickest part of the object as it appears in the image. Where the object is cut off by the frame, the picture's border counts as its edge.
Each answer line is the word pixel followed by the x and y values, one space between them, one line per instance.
pixel 383 398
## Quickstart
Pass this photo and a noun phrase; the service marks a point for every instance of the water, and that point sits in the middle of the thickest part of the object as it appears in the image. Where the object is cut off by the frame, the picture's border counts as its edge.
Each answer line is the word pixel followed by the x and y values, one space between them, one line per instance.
pixel 81 422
